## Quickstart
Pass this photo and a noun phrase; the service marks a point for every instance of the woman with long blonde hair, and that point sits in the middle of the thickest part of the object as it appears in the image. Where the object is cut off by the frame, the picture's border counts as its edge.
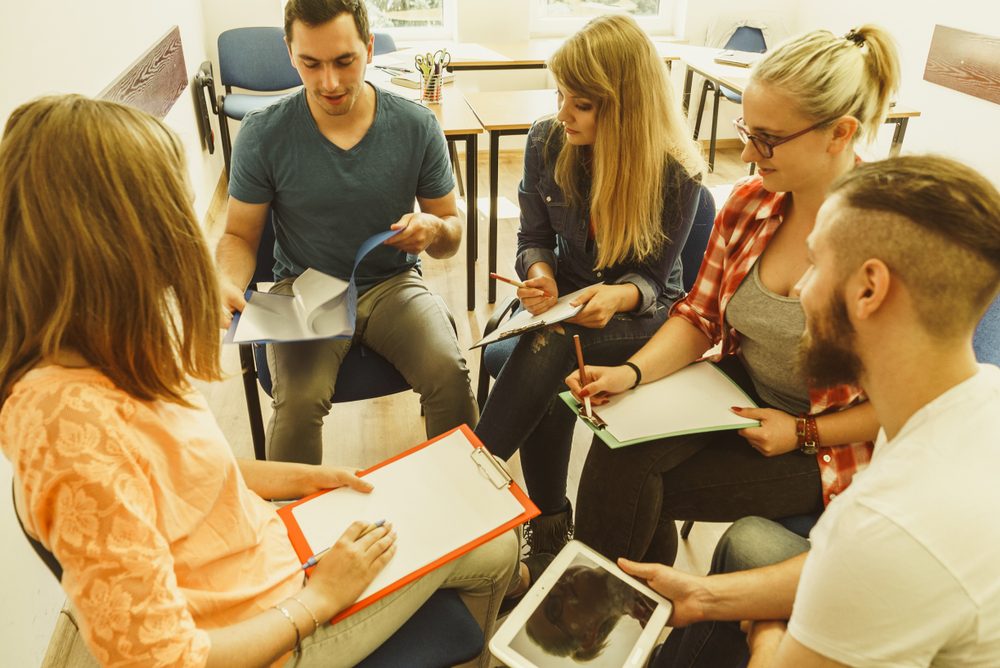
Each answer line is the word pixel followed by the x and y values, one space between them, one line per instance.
pixel 809 102
pixel 122 479
pixel 611 184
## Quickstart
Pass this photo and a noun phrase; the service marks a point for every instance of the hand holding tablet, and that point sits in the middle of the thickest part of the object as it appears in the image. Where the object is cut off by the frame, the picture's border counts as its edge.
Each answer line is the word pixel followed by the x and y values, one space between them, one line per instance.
pixel 582 609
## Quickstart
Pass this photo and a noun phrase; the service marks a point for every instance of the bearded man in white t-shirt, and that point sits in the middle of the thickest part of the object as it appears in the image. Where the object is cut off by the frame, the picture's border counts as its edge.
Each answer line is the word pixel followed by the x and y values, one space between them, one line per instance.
pixel 903 569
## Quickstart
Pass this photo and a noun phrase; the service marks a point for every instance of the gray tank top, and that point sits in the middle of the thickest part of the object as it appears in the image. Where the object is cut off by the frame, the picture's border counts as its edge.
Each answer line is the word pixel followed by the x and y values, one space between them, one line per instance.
pixel 770 326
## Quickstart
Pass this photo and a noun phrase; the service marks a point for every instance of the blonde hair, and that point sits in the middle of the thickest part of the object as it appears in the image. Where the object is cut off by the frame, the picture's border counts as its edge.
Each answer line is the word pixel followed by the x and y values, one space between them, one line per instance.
pixel 102 253
pixel 829 77
pixel 612 63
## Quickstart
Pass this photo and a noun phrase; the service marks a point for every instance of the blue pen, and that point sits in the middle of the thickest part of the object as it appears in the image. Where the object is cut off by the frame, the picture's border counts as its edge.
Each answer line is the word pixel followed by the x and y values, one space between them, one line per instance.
pixel 313 560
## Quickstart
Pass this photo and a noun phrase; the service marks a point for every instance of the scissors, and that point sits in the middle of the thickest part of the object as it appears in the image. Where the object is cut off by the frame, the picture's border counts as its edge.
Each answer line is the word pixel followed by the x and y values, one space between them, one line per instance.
pixel 443 58
pixel 425 64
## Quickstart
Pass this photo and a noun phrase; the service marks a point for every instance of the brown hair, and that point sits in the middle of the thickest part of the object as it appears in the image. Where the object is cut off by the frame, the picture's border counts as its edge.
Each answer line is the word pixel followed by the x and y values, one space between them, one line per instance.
pixel 313 13
pixel 935 223
pixel 831 77
pixel 102 253
pixel 612 63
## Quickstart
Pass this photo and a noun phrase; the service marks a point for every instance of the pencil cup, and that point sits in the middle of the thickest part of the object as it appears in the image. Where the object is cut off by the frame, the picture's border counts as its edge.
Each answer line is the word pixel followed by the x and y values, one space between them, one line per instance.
pixel 430 88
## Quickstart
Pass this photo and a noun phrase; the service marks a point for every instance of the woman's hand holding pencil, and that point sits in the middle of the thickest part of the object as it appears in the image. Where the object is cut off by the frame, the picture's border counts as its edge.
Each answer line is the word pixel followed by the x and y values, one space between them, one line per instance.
pixel 537 294
pixel 344 571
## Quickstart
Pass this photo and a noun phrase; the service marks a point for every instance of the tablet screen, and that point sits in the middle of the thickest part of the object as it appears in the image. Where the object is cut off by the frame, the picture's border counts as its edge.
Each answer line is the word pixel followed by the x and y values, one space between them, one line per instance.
pixel 589 616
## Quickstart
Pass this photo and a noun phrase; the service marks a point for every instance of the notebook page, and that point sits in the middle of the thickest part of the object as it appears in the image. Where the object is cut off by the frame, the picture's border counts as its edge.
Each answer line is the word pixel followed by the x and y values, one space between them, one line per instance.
pixel 697 397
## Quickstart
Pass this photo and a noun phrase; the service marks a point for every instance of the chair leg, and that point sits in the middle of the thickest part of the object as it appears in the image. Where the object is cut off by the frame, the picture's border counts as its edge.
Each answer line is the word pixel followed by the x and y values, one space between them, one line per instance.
pixel 686 529
pixel 227 145
pixel 253 401
pixel 701 107
pixel 458 168
pixel 483 390
pixel 715 129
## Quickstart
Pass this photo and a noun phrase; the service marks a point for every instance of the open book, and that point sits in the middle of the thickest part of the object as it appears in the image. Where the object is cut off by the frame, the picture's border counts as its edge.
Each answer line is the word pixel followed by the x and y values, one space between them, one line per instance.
pixel 694 399
pixel 525 322
pixel 321 307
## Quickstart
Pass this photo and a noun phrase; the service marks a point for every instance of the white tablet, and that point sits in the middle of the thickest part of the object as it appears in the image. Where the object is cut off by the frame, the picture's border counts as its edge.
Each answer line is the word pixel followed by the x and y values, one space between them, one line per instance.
pixel 583 610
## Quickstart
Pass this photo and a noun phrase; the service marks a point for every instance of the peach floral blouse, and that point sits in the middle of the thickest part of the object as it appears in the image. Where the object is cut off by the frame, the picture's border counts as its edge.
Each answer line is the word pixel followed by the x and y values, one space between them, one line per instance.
pixel 144 507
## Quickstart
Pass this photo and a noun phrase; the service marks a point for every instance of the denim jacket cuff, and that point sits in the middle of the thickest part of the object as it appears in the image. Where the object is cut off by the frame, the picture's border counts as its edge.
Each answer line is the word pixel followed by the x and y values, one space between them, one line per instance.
pixel 647 293
pixel 532 255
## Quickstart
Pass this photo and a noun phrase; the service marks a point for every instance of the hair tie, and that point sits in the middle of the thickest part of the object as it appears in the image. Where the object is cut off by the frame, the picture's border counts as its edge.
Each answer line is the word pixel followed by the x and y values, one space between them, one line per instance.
pixel 855 37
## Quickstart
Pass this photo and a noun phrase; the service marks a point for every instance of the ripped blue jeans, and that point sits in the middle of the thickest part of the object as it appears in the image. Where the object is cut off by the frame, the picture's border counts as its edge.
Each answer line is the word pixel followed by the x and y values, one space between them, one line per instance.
pixel 523 410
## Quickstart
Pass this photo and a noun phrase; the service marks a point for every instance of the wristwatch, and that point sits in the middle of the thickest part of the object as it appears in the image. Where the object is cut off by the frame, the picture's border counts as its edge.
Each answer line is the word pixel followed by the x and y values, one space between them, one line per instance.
pixel 807 433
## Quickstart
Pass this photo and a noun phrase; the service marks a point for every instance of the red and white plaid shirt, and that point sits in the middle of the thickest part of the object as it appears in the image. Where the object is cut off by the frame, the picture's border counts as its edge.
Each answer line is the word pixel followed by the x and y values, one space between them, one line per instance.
pixel 743 228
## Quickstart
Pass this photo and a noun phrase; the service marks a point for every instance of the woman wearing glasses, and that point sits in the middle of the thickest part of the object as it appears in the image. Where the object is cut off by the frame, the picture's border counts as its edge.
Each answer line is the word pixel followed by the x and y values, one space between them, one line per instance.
pixel 807 105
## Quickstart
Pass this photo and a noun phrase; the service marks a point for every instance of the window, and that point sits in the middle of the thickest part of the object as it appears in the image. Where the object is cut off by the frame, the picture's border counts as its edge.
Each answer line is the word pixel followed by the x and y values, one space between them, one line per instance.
pixel 412 19
pixel 562 17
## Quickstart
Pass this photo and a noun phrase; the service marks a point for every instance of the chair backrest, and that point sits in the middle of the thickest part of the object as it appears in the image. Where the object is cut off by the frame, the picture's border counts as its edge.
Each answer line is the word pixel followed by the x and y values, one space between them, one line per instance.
pixel 694 248
pixel 256 59
pixel 986 342
pixel 747 39
pixel 384 43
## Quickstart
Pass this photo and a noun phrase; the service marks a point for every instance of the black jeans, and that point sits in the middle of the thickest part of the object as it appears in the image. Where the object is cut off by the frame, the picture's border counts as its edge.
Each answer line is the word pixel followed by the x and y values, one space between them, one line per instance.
pixel 752 542
pixel 523 410
pixel 629 498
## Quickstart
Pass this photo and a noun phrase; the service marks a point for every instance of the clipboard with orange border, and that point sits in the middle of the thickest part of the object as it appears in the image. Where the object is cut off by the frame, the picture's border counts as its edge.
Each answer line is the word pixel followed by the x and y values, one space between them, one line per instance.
pixel 444 498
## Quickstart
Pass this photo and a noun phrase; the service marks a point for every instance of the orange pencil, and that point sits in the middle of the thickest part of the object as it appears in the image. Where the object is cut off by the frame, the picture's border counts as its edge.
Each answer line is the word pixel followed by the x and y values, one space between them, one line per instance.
pixel 583 374
pixel 518 284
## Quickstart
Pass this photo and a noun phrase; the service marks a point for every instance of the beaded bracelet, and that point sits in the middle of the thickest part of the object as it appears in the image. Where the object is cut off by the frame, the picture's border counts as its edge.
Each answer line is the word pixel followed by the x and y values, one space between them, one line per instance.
pixel 315 621
pixel 291 620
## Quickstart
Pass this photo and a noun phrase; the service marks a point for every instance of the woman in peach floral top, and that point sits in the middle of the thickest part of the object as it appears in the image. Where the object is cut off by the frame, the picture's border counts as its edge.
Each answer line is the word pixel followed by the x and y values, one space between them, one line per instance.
pixel 166 547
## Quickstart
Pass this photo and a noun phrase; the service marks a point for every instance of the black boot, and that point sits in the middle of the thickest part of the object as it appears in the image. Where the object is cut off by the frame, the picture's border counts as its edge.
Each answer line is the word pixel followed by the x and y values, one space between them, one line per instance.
pixel 549 533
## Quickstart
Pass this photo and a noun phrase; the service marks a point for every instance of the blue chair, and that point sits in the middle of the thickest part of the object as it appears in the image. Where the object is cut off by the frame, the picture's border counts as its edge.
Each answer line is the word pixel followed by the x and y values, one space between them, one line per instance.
pixel 494 356
pixel 440 634
pixel 364 374
pixel 744 39
pixel 254 59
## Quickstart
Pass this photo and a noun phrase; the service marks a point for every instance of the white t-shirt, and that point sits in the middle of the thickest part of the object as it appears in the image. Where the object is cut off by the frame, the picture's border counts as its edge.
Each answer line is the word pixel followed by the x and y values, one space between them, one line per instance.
pixel 904 568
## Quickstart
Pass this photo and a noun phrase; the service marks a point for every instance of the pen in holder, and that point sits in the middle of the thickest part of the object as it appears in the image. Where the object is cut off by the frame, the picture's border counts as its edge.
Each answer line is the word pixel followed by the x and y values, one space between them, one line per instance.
pixel 430 86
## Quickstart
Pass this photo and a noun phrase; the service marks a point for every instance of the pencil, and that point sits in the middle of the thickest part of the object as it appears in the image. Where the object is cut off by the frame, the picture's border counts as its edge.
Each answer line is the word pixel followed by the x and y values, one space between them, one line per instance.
pixel 313 560
pixel 518 284
pixel 583 374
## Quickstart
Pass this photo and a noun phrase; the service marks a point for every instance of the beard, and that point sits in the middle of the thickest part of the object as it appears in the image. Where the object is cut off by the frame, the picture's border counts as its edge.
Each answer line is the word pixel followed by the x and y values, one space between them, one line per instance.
pixel 826 351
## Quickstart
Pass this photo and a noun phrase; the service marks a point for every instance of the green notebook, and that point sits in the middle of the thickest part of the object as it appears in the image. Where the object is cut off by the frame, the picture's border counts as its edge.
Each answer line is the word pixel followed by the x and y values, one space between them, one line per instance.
pixel 695 399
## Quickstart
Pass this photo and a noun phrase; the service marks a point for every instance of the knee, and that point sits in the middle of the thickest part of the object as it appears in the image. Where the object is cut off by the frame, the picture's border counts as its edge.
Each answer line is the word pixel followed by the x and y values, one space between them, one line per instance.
pixel 753 542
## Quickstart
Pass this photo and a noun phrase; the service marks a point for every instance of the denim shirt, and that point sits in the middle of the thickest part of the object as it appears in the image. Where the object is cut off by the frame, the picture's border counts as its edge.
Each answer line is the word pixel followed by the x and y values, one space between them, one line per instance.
pixel 554 232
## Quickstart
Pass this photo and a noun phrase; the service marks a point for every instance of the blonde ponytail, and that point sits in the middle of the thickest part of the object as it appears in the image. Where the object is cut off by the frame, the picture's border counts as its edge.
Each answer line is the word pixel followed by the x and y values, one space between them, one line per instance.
pixel 856 75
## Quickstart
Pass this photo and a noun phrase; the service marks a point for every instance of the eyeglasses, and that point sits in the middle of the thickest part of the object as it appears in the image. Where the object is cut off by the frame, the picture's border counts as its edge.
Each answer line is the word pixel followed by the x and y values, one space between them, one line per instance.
pixel 766 146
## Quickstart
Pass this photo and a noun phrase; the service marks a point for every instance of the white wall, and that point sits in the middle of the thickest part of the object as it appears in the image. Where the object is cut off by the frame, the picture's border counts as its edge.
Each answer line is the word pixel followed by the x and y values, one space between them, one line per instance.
pixel 80 47
pixel 952 124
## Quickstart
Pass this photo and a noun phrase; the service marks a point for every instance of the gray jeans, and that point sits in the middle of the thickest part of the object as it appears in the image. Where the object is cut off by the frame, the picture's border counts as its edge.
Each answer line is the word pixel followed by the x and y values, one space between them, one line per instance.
pixel 400 320
pixel 482 577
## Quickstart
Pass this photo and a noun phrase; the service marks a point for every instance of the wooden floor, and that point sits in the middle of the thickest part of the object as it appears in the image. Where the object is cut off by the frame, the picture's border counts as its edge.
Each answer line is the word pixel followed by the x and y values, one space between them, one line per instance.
pixel 364 433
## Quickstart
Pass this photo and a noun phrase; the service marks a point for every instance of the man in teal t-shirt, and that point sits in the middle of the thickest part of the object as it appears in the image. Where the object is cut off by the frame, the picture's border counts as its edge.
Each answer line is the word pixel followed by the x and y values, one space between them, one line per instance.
pixel 338 162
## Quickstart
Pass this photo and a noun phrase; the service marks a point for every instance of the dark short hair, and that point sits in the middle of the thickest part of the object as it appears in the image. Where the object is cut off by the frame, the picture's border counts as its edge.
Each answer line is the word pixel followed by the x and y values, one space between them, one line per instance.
pixel 934 222
pixel 313 13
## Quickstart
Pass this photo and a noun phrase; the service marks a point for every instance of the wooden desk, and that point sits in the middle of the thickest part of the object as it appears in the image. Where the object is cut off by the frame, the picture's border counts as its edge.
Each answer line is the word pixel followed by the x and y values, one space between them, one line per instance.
pixel 701 60
pixel 532 54
pixel 459 124
pixel 506 113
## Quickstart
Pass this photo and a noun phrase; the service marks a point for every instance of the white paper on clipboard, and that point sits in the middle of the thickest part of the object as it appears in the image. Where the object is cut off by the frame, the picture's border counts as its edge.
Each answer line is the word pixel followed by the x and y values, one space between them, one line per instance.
pixel 437 499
